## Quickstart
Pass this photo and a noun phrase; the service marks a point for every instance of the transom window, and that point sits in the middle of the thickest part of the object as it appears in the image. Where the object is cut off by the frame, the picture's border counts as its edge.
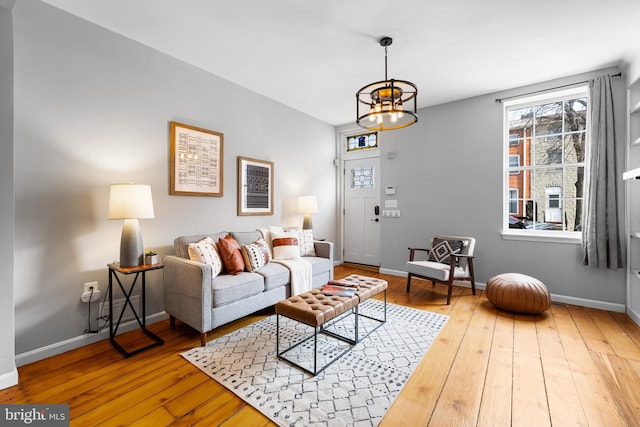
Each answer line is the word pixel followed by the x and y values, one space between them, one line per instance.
pixel 545 144
pixel 363 141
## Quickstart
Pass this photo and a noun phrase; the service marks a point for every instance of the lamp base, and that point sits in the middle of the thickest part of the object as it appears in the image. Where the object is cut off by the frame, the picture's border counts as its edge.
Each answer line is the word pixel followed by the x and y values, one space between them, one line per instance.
pixel 131 248
pixel 306 223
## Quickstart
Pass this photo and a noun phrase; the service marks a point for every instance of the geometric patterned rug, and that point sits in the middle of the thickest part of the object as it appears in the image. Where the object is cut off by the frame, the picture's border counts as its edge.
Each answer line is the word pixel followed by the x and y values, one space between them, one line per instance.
pixel 356 390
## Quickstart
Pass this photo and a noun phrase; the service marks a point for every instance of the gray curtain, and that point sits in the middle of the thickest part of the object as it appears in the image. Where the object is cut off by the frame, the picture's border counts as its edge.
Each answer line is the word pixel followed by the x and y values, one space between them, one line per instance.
pixel 601 242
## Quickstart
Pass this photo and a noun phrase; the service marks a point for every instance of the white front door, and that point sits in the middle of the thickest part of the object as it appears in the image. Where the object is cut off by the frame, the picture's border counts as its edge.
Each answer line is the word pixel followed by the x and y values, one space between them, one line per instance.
pixel 362 211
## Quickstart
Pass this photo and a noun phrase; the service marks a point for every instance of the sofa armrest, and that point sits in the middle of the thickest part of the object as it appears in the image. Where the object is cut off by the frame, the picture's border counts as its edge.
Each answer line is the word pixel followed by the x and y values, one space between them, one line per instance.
pixel 324 249
pixel 187 291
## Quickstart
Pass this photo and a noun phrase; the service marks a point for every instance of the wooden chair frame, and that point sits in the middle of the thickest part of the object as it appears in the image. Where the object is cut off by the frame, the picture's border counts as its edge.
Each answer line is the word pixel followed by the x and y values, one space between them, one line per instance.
pixel 452 265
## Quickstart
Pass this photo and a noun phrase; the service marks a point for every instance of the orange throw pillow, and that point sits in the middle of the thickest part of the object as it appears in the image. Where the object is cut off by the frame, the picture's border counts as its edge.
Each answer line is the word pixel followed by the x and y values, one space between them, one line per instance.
pixel 231 255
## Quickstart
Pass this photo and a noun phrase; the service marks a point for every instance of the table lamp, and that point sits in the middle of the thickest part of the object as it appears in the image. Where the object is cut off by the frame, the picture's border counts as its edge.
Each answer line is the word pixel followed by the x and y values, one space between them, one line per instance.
pixel 307 205
pixel 130 202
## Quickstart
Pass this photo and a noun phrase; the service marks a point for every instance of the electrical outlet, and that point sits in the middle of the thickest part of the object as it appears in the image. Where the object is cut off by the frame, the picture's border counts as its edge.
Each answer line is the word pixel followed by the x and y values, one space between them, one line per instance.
pixel 103 309
pixel 89 285
pixel 91 295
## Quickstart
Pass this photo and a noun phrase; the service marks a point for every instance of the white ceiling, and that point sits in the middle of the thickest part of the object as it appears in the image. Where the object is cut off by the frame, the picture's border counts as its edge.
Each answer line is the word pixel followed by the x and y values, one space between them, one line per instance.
pixel 315 55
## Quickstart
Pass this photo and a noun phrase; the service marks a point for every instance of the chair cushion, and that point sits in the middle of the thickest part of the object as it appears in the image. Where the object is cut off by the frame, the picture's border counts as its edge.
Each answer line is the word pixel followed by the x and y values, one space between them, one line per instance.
pixel 432 269
pixel 441 250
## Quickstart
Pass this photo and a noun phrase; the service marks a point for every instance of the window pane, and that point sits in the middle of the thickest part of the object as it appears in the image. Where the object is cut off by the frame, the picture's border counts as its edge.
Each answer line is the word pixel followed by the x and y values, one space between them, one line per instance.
pixel 362 178
pixel 548 150
pixel 362 142
pixel 520 122
pixel 549 119
pixel 547 188
pixel 573 197
pixel 513 201
pixel 575 115
pixel 573 181
pixel 574 147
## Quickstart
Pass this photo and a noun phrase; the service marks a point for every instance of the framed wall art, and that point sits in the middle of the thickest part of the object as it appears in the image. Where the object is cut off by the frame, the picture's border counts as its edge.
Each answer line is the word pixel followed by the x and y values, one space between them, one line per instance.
pixel 255 187
pixel 196 161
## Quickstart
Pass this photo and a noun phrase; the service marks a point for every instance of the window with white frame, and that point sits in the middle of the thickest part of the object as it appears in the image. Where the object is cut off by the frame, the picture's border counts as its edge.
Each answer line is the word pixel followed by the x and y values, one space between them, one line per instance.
pixel 545 145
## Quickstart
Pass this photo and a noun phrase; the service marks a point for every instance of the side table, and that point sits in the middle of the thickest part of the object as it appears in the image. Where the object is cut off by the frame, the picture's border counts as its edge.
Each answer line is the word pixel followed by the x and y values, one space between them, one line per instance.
pixel 114 269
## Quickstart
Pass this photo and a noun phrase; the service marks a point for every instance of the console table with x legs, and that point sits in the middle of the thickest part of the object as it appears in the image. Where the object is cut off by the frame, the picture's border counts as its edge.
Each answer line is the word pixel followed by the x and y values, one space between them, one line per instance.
pixel 140 270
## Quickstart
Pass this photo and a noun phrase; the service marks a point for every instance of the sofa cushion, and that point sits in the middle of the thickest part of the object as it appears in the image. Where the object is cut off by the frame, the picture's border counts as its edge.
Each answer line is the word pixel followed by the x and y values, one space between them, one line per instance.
pixel 226 288
pixel 275 275
pixel 206 252
pixel 255 255
pixel 285 247
pixel 319 265
pixel 230 254
pixel 246 237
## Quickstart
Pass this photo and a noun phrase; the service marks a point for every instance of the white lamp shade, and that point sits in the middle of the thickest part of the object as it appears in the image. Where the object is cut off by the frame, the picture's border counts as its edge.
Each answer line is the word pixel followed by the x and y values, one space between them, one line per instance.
pixel 128 201
pixel 308 204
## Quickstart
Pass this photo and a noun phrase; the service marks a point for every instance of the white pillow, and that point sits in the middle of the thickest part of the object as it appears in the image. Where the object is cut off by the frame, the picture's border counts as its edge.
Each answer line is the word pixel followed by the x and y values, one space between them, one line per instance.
pixel 305 241
pixel 256 255
pixel 206 252
pixel 285 246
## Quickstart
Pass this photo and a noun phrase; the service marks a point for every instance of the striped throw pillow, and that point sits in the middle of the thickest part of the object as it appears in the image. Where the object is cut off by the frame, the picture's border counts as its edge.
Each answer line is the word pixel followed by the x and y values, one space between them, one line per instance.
pixel 206 252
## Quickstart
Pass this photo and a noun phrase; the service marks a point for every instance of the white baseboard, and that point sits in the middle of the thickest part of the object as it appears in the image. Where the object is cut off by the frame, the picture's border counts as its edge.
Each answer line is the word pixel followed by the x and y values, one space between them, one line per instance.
pixel 583 302
pixel 77 342
pixel 393 272
pixel 9 379
pixel 634 315
pixel 590 303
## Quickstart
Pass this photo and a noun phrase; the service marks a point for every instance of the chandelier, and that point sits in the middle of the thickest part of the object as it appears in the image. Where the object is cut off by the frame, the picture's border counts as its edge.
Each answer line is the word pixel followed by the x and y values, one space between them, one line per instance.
pixel 388 104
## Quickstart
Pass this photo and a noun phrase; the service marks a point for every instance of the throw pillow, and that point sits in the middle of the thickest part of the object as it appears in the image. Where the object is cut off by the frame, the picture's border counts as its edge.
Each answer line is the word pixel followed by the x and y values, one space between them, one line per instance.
pixel 230 254
pixel 442 249
pixel 285 247
pixel 206 251
pixel 305 241
pixel 255 255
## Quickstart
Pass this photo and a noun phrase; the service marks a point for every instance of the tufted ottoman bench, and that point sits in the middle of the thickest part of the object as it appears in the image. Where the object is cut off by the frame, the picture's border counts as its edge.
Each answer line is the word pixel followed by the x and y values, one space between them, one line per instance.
pixel 315 309
pixel 518 293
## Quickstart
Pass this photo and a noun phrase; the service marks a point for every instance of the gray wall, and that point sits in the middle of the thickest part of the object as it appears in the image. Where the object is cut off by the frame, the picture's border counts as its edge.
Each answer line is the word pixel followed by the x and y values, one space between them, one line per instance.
pixel 93 108
pixel 8 373
pixel 448 175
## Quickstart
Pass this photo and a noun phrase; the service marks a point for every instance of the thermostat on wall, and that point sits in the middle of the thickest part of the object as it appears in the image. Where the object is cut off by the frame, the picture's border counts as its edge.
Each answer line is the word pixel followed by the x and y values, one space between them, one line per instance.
pixel 390 189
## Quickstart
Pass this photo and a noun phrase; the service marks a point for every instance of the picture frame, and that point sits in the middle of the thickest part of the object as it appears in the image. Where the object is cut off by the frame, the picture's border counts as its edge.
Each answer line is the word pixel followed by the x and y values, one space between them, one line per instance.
pixel 255 186
pixel 196 161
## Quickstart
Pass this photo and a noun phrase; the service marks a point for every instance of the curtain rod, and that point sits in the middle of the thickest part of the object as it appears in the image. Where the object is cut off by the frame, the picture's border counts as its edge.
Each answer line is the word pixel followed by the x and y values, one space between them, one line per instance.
pixel 499 100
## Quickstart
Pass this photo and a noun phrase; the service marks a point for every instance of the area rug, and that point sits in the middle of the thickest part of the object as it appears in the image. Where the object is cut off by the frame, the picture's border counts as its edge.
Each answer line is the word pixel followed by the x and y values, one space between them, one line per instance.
pixel 356 390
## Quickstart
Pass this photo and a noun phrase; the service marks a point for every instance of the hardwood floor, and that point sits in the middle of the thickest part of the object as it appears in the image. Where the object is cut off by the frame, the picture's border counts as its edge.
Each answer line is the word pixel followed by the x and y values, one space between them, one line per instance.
pixel 568 366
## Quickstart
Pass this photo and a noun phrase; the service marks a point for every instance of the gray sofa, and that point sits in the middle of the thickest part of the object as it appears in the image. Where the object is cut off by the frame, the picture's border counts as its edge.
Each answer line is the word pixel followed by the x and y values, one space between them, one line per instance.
pixel 204 303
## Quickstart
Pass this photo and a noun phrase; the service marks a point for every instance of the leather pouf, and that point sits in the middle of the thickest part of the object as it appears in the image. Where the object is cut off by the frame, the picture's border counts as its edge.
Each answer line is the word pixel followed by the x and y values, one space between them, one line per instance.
pixel 518 293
